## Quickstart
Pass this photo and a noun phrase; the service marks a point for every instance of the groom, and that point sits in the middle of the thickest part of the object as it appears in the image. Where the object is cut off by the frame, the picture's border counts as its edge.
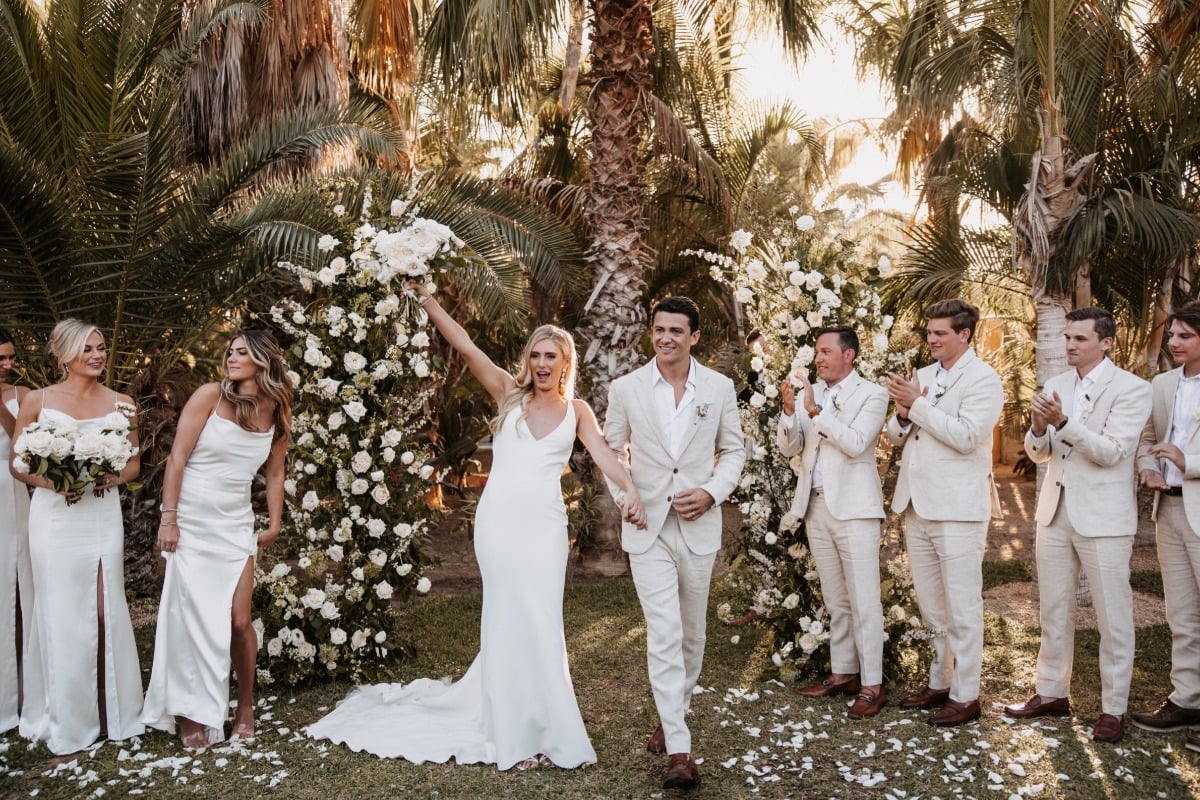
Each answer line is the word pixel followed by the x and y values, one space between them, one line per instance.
pixel 677 424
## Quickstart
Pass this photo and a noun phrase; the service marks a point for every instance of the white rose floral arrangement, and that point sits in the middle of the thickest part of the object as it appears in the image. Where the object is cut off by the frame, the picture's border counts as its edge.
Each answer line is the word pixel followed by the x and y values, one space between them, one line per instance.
pixel 800 279
pixel 358 471
pixel 73 458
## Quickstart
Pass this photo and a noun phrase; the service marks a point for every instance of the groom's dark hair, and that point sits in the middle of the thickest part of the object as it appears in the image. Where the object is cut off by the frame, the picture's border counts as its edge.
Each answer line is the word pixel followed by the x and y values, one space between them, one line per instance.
pixel 679 305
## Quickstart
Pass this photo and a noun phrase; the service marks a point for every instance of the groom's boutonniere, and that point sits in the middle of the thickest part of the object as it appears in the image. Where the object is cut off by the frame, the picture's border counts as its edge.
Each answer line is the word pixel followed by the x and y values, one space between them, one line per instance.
pixel 837 404
pixel 1196 416
pixel 702 411
pixel 938 391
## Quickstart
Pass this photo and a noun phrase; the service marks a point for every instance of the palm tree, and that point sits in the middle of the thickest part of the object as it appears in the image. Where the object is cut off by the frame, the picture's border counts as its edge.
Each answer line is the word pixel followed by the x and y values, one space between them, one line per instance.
pixel 102 218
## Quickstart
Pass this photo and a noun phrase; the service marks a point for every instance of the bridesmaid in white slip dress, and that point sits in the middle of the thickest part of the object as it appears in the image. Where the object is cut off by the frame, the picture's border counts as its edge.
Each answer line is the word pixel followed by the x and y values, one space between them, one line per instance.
pixel 16 573
pixel 225 434
pixel 516 705
pixel 82 678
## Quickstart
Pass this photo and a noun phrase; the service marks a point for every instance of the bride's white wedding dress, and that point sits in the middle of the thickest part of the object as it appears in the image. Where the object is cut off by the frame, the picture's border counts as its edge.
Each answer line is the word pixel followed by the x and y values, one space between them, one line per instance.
pixel 516 699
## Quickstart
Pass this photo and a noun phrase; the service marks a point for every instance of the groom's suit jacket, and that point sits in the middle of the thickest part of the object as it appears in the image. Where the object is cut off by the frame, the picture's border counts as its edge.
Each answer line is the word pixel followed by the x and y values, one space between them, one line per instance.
pixel 710 458
pixel 846 434
pixel 946 466
pixel 1158 429
pixel 1093 454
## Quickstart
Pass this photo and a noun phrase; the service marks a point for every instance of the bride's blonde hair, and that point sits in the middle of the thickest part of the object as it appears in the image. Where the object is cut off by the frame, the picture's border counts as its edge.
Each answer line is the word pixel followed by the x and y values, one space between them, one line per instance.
pixel 519 396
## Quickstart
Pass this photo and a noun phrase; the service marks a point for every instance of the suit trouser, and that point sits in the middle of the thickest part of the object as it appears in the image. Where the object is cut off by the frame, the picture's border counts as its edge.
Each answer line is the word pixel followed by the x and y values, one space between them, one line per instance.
pixel 947 567
pixel 1061 552
pixel 847 556
pixel 1179 559
pixel 672 584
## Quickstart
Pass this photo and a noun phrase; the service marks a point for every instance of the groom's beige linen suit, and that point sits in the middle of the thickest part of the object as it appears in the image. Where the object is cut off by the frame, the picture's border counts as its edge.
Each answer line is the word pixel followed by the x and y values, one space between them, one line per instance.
pixel 1087 516
pixel 1178 516
pixel 946 492
pixel 843 516
pixel 672 558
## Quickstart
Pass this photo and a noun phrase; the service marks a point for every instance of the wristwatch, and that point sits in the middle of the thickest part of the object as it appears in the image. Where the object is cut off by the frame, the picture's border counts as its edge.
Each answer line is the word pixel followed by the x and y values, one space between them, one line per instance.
pixel 812 414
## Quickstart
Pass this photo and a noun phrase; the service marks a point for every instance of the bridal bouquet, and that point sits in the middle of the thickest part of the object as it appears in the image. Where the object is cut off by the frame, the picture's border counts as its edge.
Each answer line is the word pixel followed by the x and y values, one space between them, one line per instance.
pixel 70 458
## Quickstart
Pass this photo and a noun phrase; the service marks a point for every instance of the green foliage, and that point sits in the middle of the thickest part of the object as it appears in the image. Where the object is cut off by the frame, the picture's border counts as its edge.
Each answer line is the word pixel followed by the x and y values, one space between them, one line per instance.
pixel 100 216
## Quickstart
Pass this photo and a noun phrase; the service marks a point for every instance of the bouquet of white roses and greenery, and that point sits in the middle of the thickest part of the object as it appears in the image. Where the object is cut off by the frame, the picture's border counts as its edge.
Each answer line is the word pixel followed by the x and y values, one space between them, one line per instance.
pixel 107 450
pixel 71 459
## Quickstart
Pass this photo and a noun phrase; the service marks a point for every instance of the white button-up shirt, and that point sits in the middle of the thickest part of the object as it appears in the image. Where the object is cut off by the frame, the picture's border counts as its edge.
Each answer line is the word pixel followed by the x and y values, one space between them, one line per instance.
pixel 673 418
pixel 1183 418
pixel 828 399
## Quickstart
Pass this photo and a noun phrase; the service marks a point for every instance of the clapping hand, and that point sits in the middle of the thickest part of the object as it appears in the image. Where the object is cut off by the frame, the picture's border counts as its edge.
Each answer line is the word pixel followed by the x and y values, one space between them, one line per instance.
pixel 905 391
pixel 1046 409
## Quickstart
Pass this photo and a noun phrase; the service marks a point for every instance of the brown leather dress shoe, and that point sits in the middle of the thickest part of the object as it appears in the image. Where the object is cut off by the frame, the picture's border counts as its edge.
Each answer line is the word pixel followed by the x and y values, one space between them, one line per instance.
pixel 1038 706
pixel 929 698
pixel 681 772
pixel 954 713
pixel 1167 717
pixel 867 704
pixel 829 686
pixel 658 741
pixel 1109 728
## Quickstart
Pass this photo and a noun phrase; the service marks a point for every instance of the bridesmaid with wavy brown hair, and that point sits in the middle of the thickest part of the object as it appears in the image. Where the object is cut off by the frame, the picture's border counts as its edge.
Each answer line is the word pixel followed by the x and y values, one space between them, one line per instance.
pixel 227 431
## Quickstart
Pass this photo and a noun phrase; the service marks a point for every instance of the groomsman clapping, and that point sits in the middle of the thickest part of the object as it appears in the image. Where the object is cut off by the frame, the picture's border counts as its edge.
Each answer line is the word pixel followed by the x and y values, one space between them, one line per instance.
pixel 1085 427
pixel 838 496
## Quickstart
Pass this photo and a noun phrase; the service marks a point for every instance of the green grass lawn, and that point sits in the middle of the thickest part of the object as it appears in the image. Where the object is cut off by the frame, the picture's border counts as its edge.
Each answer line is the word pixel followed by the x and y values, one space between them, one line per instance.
pixel 757 738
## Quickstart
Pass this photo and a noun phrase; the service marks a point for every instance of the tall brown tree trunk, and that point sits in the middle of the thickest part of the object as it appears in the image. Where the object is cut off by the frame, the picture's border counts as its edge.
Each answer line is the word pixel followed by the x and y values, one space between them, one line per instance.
pixel 621 47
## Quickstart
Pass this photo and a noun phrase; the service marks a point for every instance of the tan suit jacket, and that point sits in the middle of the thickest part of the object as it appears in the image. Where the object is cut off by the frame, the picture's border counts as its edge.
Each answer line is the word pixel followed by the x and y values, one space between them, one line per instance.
pixel 846 434
pixel 1094 454
pixel 1158 429
pixel 633 430
pixel 946 467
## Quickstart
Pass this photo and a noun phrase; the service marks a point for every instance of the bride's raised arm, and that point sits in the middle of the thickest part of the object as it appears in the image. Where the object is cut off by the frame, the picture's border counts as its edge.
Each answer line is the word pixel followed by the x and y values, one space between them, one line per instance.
pixel 593 439
pixel 495 380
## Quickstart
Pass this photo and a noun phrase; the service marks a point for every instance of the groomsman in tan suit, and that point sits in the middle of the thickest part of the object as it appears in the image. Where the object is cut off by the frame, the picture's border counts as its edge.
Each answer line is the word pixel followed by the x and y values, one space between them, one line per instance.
pixel 1169 459
pixel 944 417
pixel 677 424
pixel 838 496
pixel 1085 425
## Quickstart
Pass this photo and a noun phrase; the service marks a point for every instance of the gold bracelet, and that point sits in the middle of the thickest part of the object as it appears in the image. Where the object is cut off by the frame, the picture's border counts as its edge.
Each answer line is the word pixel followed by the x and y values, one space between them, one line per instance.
pixel 168 524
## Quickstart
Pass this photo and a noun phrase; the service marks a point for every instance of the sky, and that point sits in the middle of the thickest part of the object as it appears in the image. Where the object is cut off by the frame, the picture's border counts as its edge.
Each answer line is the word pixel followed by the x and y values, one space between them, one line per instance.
pixel 825 86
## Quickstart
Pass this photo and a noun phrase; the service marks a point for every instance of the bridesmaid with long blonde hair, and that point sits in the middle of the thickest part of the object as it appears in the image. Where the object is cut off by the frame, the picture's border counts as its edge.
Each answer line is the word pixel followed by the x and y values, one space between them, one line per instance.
pixel 227 431
pixel 82 677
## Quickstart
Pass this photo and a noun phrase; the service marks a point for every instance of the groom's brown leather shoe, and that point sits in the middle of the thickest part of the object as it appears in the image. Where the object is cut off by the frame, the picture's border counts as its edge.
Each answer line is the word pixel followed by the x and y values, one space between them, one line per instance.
pixel 658 741
pixel 681 773
pixel 1038 706
pixel 831 686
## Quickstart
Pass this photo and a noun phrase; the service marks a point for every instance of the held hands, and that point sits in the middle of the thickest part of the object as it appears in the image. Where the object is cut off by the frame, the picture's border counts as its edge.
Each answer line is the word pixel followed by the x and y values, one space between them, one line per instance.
pixel 632 510
pixel 691 503
pixel 905 391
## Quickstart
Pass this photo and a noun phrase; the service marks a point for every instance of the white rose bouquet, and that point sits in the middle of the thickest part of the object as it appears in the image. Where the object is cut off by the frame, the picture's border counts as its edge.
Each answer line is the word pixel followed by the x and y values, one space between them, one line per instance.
pixel 71 459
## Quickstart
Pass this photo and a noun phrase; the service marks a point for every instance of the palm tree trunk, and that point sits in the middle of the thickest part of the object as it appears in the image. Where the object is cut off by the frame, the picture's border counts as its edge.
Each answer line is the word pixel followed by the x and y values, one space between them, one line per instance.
pixel 1053 195
pixel 615 319
pixel 621 49
pixel 570 72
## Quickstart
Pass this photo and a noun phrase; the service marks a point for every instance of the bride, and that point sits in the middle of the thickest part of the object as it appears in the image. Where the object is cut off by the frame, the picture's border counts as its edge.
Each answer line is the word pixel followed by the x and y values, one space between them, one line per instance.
pixel 515 706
